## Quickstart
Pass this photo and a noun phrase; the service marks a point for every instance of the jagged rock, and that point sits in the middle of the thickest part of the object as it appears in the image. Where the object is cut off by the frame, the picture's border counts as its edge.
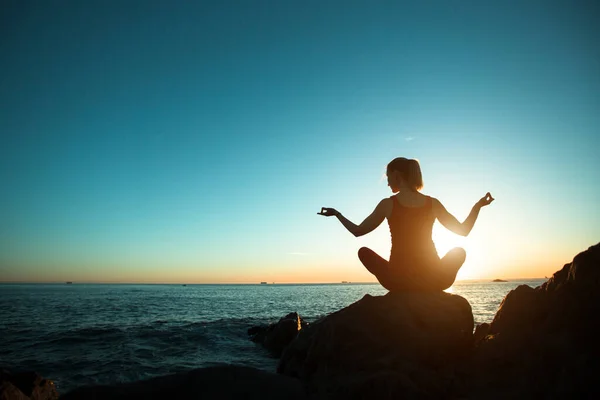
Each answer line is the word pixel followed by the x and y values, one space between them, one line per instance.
pixel 26 386
pixel 397 345
pixel 275 337
pixel 541 343
pixel 220 382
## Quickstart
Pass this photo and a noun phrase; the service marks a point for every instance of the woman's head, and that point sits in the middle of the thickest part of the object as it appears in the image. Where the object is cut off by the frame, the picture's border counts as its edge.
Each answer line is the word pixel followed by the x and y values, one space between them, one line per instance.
pixel 402 172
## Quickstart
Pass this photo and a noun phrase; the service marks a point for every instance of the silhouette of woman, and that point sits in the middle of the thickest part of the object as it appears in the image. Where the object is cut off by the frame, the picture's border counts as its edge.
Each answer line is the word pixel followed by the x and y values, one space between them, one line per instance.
pixel 414 263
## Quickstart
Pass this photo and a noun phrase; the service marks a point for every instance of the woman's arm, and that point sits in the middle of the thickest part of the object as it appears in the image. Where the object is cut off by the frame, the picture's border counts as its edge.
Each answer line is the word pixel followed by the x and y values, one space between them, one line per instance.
pixel 368 225
pixel 451 223
pixel 351 226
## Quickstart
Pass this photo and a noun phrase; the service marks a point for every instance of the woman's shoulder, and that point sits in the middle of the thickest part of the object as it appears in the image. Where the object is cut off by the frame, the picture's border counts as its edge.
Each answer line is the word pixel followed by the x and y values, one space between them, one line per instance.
pixel 387 205
pixel 431 201
pixel 431 198
pixel 387 201
pixel 436 205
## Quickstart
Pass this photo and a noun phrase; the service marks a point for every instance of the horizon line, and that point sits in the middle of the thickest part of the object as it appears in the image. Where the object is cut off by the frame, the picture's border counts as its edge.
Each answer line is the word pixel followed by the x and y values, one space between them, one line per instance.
pixel 241 283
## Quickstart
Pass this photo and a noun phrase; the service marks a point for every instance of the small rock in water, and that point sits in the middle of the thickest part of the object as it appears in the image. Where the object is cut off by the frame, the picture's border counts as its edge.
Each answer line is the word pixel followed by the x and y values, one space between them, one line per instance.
pixel 275 337
pixel 481 331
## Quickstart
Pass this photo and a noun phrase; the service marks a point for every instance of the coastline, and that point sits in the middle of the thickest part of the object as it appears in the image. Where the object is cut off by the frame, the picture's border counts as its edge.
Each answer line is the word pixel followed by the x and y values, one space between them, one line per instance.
pixel 444 336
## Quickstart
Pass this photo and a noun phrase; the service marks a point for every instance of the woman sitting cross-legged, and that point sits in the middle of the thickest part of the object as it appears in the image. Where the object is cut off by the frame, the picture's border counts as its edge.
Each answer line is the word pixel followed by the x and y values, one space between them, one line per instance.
pixel 414 264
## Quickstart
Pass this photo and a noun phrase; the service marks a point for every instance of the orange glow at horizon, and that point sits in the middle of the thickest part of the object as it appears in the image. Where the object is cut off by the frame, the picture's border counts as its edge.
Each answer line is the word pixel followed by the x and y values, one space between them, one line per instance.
pixel 314 271
pixel 326 264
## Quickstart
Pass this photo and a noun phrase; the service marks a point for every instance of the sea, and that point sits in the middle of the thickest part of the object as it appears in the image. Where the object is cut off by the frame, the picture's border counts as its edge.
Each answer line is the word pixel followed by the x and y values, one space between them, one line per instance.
pixel 84 334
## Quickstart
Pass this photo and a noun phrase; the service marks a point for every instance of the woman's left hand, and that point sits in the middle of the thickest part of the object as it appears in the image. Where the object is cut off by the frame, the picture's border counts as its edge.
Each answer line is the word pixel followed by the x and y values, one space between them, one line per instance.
pixel 485 200
pixel 328 212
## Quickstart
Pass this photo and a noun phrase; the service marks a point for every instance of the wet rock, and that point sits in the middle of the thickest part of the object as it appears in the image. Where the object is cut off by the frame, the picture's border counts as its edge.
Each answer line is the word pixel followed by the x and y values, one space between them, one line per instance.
pixel 26 386
pixel 220 382
pixel 275 337
pixel 399 344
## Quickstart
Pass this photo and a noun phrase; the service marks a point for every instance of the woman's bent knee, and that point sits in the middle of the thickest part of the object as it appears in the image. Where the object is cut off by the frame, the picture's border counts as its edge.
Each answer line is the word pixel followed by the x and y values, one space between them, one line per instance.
pixel 364 252
pixel 458 253
pixel 372 261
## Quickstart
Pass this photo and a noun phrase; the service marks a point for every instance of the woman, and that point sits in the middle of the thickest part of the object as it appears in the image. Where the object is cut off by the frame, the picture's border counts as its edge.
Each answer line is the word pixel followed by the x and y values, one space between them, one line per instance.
pixel 414 263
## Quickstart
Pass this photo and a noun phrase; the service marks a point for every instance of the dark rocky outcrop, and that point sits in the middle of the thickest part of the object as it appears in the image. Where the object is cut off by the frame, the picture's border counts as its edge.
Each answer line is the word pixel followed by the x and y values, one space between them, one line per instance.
pixel 542 342
pixel 275 337
pixel 26 386
pixel 220 382
pixel 392 346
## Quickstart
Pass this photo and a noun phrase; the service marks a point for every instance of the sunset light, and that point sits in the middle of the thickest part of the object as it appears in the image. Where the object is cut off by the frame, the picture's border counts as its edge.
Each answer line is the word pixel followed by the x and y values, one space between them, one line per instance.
pixel 277 199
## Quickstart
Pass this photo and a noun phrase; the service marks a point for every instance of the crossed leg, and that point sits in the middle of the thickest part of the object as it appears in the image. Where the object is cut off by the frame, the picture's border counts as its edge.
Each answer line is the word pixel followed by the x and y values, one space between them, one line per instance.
pixel 437 278
pixel 380 267
pixel 449 266
pixel 376 265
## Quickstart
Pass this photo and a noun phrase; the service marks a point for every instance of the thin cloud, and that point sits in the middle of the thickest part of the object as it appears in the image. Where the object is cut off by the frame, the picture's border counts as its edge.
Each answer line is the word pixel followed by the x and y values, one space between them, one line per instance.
pixel 298 253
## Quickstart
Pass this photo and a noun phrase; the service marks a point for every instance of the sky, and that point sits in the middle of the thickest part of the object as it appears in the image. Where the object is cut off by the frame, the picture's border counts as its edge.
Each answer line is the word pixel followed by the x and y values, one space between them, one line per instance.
pixel 166 142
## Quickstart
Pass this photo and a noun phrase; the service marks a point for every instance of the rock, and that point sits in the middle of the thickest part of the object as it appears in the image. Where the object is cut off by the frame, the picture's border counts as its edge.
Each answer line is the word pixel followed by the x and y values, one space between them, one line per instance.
pixel 26 386
pixel 481 332
pixel 541 343
pixel 390 346
pixel 499 280
pixel 220 382
pixel 8 391
pixel 277 336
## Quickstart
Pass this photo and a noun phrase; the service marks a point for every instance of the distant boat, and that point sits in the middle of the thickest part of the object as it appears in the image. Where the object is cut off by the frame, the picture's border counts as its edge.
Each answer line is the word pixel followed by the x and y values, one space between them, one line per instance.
pixel 263 283
pixel 69 283
pixel 184 284
pixel 499 280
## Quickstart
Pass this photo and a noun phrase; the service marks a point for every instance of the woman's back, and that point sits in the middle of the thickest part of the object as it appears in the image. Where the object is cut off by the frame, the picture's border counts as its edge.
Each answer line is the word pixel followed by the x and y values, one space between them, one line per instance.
pixel 411 223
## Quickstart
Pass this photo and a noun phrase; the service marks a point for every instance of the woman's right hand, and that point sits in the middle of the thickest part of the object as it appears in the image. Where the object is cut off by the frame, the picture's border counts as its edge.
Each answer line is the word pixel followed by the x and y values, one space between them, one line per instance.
pixel 485 200
pixel 328 212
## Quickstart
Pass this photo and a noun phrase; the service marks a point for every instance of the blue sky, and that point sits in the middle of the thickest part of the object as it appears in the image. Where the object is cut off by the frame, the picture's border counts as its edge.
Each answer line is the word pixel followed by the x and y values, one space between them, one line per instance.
pixel 160 142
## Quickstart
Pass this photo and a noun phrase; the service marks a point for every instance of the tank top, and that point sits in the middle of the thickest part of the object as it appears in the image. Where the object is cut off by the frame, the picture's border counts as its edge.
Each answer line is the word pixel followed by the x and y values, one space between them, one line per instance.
pixel 411 228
